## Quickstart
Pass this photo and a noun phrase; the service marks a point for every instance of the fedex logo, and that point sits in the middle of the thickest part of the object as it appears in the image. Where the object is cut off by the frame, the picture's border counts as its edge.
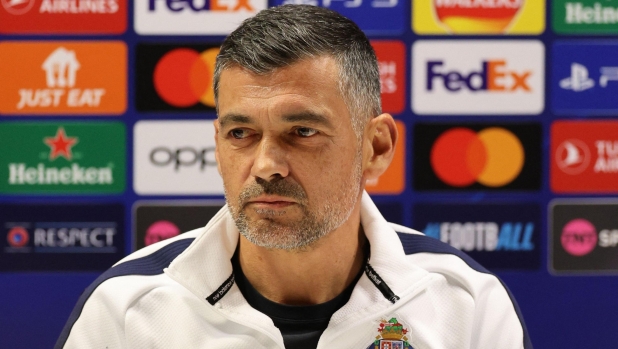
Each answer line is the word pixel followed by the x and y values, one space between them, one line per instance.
pixel 478 77
pixel 494 75
pixel 193 17
pixel 202 5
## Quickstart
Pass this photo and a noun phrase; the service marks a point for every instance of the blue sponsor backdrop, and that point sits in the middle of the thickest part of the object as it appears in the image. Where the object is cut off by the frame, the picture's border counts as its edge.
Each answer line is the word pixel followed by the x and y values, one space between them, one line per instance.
pixel 499 236
pixel 585 77
pixel 561 312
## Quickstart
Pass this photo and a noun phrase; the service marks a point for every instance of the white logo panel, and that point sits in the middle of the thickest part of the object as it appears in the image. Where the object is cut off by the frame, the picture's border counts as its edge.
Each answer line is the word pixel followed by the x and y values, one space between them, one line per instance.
pixel 175 158
pixel 478 77
pixel 193 17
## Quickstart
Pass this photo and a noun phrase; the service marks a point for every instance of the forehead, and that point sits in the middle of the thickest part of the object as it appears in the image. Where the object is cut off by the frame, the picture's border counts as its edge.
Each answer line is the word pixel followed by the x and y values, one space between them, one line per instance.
pixel 313 80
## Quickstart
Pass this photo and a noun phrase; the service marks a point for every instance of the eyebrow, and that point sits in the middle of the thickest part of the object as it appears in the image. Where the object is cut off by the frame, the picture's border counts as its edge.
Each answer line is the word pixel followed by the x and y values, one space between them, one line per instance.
pixel 308 117
pixel 234 118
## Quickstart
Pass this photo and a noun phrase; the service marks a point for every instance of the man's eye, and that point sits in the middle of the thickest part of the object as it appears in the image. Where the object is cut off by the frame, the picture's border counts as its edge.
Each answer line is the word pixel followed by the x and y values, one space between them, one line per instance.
pixel 239 133
pixel 305 131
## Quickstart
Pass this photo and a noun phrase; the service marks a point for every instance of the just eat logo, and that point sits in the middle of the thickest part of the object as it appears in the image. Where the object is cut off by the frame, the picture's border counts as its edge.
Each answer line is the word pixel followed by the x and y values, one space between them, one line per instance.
pixel 478 77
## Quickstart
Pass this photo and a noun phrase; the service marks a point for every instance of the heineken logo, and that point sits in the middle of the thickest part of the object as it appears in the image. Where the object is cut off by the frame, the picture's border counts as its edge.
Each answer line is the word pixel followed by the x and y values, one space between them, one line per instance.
pixel 60 145
pixel 585 16
pixel 68 157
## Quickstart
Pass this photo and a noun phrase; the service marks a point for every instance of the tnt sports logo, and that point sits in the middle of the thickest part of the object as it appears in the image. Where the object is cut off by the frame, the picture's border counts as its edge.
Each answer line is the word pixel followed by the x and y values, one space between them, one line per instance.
pixel 478 77
pixel 18 237
pixel 193 17
pixel 63 78
pixel 492 157
pixel 572 156
pixel 579 237
pixel 478 17
pixel 17 7
pixel 183 77
pixel 159 231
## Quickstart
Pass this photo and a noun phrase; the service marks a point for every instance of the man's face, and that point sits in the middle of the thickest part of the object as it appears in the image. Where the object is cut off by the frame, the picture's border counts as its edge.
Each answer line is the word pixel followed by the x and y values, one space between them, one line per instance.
pixel 290 160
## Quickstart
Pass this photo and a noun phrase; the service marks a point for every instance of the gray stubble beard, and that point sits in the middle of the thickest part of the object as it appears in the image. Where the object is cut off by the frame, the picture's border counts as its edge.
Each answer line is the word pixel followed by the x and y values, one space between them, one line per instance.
pixel 300 235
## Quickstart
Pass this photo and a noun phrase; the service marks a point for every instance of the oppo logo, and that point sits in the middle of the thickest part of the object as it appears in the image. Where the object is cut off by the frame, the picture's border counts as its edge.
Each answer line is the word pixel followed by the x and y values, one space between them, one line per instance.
pixel 183 157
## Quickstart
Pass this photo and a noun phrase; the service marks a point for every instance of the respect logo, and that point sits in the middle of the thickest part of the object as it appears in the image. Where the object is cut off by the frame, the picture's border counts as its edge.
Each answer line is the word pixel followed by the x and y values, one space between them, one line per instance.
pixel 174 77
pixel 478 17
pixel 477 156
pixel 63 78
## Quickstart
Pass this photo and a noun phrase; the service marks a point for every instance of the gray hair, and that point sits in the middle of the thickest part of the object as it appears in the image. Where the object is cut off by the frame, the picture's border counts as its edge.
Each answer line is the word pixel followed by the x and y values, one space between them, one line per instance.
pixel 280 36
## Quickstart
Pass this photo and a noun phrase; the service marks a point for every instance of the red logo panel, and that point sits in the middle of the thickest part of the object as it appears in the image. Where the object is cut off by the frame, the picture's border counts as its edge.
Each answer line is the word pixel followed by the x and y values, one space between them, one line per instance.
pixel 584 157
pixel 392 63
pixel 63 17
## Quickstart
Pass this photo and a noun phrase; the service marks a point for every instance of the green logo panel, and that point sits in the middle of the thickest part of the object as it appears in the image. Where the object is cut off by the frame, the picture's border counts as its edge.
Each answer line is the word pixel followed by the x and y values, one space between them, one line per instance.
pixel 585 16
pixel 62 158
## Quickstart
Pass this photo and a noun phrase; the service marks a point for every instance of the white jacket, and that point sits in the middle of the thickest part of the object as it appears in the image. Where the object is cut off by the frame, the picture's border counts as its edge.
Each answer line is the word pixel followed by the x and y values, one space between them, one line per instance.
pixel 446 300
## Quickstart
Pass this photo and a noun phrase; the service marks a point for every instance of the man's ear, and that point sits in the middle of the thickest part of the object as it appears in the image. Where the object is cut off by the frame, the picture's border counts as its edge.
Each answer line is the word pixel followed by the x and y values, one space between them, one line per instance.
pixel 216 123
pixel 380 142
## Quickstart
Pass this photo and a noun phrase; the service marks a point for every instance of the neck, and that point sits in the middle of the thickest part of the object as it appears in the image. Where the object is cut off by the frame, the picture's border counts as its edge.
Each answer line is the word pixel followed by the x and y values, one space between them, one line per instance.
pixel 313 275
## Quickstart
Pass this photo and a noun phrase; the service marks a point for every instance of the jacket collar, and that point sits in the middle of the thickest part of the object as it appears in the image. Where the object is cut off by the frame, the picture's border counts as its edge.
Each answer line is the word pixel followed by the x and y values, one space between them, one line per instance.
pixel 205 266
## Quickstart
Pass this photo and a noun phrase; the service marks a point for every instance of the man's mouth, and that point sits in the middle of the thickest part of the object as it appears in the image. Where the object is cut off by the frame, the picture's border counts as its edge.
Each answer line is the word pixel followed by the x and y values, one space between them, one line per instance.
pixel 272 202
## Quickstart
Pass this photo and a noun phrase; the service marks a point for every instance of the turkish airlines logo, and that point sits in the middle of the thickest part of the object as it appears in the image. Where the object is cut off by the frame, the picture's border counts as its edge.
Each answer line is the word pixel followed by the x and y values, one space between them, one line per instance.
pixel 494 157
pixel 585 156
pixel 17 7
pixel 172 77
pixel 573 156
pixel 73 78
pixel 478 77
pixel 63 16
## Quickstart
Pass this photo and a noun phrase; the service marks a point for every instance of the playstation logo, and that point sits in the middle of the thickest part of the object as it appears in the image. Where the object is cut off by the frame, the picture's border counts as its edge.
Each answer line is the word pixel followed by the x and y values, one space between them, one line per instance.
pixel 579 80
pixel 573 156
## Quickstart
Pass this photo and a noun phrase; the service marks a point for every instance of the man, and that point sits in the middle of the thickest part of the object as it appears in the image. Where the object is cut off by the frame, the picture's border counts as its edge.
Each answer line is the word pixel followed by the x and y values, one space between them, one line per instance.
pixel 300 257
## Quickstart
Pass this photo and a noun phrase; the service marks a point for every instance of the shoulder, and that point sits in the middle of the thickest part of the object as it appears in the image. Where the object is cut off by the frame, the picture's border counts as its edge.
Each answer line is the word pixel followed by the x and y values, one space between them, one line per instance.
pixel 489 294
pixel 117 288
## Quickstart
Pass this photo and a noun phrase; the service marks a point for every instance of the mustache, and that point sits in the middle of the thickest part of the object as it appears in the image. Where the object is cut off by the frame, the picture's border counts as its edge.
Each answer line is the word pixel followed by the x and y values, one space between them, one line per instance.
pixel 278 187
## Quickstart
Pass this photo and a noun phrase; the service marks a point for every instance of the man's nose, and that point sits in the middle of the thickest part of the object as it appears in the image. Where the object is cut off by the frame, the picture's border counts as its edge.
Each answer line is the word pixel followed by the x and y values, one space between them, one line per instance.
pixel 270 160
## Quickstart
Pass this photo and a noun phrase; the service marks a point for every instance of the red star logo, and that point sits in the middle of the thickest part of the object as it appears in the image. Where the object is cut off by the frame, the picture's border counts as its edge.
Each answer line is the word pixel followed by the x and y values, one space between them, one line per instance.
pixel 60 145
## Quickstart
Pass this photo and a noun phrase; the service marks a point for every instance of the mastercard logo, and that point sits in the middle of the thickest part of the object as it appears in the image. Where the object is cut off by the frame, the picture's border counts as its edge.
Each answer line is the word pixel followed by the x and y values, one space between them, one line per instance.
pixel 493 157
pixel 183 77
pixel 477 17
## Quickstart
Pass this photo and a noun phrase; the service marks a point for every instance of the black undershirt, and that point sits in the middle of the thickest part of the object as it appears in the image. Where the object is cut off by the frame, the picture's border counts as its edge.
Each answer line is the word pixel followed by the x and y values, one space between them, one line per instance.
pixel 301 325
